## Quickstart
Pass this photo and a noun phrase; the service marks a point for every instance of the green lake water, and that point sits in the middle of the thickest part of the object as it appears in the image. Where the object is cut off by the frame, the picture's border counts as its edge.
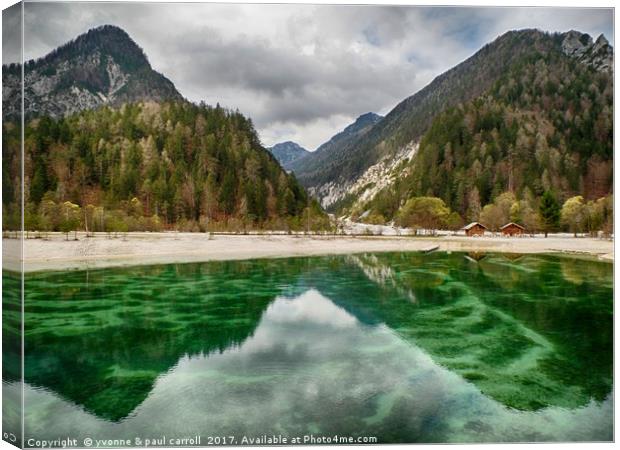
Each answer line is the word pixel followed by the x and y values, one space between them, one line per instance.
pixel 403 347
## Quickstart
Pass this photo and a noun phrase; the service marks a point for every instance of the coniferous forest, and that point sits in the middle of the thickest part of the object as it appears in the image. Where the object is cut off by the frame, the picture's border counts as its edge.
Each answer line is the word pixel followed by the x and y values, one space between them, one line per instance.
pixel 147 167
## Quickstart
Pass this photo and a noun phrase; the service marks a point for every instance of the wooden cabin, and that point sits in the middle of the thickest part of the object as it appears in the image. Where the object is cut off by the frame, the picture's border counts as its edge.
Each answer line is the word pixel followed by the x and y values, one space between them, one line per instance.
pixel 512 229
pixel 474 229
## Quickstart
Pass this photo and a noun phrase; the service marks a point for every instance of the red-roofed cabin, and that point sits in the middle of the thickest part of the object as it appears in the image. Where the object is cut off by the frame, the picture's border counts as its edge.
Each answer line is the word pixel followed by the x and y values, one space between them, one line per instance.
pixel 512 229
pixel 474 229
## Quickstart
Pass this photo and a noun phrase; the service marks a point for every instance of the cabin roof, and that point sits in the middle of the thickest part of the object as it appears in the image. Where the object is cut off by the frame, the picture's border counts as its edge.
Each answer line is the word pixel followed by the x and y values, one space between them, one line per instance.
pixel 473 224
pixel 512 223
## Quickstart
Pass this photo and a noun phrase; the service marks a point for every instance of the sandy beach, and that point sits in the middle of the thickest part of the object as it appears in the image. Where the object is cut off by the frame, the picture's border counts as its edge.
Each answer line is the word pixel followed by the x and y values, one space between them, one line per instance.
pixel 57 253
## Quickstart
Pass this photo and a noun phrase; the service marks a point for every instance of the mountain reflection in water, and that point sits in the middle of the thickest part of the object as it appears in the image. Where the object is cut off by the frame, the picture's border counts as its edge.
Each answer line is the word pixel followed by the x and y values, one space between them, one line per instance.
pixel 405 347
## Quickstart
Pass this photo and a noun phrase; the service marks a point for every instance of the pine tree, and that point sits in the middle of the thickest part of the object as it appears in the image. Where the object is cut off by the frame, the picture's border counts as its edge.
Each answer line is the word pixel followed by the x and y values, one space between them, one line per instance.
pixel 549 211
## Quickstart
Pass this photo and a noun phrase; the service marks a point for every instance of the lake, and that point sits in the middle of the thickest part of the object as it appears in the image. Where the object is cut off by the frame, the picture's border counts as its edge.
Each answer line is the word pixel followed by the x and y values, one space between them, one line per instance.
pixel 401 347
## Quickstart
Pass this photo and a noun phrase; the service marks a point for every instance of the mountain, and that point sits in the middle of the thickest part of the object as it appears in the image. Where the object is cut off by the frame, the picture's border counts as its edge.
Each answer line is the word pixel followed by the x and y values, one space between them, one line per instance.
pixel 288 152
pixel 545 124
pixel 358 128
pixel 101 67
pixel 362 168
pixel 112 146
pixel 308 168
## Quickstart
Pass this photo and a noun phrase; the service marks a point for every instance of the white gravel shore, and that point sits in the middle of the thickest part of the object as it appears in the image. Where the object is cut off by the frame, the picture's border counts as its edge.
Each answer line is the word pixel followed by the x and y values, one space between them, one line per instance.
pixel 56 253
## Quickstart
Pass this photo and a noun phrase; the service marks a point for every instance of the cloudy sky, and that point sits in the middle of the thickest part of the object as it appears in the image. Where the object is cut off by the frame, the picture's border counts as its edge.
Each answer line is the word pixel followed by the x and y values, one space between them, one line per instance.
pixel 301 72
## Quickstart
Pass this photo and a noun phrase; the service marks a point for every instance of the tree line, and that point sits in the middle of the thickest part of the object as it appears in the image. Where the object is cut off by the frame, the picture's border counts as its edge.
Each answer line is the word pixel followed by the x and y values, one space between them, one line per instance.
pixel 545 214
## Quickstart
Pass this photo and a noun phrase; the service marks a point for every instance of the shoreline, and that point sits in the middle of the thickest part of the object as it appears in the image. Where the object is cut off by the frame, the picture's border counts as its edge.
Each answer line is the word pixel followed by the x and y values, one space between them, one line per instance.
pixel 100 251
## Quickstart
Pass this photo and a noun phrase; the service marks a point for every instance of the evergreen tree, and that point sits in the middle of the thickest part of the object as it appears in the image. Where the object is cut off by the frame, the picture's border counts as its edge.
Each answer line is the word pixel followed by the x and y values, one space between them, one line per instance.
pixel 549 211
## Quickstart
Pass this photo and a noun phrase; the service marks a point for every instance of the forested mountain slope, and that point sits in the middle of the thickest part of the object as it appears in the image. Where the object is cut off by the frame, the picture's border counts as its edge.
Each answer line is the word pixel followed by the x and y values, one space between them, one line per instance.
pixel 546 124
pixel 394 136
pixel 150 166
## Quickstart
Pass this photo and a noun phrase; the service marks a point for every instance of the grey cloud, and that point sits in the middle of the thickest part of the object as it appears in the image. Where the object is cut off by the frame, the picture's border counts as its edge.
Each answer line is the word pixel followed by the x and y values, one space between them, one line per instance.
pixel 245 63
pixel 296 87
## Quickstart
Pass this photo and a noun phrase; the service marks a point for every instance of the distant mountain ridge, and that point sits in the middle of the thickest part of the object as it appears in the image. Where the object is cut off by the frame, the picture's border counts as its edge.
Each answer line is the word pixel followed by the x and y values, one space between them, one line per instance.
pixel 103 66
pixel 306 168
pixel 288 152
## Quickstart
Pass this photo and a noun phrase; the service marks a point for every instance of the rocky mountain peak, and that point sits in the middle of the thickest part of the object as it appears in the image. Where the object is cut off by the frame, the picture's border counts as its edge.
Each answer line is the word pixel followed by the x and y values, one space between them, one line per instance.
pixel 368 117
pixel 288 144
pixel 601 45
pixel 108 40
pixel 599 54
pixel 576 43
pixel 288 152
pixel 362 121
pixel 101 66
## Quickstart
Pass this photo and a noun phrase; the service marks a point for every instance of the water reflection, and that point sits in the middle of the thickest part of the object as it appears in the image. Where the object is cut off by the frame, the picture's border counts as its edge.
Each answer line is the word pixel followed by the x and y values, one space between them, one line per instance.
pixel 409 348
pixel 516 330
pixel 102 343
